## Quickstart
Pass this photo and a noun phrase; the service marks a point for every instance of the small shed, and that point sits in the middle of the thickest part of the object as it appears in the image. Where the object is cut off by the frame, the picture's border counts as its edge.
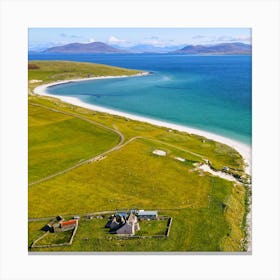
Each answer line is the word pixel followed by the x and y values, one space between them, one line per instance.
pixel 68 225
pixel 76 217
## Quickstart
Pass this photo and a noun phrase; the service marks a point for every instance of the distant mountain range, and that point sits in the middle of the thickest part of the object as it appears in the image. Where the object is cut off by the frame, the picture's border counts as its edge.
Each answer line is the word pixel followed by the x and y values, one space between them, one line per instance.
pixel 95 47
pixel 225 48
pixel 99 47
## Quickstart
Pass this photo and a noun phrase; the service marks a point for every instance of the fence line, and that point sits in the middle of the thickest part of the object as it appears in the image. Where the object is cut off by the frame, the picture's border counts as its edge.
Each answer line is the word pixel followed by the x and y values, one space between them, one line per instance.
pixel 55 245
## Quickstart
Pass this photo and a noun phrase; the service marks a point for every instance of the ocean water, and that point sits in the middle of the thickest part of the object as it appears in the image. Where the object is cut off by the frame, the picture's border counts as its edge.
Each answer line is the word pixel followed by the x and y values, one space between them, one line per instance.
pixel 212 93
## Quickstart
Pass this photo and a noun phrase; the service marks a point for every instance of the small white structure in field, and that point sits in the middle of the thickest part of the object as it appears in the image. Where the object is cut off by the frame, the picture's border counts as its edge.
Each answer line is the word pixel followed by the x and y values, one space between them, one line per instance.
pixel 159 153
pixel 76 217
pixel 180 159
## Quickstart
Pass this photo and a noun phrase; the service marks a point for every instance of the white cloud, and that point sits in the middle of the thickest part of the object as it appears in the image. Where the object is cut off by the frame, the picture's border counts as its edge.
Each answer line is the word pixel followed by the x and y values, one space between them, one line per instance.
pixel 158 42
pixel 64 35
pixel 114 40
pixel 154 42
pixel 200 39
pixel 245 39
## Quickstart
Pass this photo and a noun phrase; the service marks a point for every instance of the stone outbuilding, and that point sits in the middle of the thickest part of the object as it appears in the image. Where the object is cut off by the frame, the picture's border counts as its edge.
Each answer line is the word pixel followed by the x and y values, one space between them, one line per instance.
pixel 68 225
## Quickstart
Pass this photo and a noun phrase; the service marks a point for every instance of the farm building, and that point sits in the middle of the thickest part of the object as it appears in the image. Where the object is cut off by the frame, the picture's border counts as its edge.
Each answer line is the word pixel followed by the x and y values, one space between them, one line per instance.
pixel 159 153
pixel 126 229
pixel 147 215
pixel 123 224
pixel 130 226
pixel 68 225
pixel 115 222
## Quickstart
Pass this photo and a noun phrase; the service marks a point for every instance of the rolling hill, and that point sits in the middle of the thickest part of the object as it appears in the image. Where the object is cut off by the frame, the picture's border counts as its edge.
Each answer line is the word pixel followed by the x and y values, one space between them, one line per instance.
pixel 225 48
pixel 95 47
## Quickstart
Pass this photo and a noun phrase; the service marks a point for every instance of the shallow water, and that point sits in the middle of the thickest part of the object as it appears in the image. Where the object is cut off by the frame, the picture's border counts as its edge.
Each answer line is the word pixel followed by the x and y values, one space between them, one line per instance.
pixel 211 93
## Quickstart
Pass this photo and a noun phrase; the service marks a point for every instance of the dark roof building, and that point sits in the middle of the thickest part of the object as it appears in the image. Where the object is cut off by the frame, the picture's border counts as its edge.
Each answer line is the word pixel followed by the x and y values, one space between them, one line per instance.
pixel 145 215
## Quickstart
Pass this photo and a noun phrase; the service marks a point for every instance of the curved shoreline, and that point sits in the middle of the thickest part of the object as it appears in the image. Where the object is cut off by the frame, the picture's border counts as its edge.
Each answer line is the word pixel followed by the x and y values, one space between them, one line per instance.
pixel 243 149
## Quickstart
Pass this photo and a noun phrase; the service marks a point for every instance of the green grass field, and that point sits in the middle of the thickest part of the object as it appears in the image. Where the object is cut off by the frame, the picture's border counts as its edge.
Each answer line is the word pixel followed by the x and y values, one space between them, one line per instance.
pixel 55 145
pixel 208 212
pixel 55 238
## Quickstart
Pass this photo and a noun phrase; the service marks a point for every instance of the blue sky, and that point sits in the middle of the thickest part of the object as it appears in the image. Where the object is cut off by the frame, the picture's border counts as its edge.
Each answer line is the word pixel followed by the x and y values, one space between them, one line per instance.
pixel 126 37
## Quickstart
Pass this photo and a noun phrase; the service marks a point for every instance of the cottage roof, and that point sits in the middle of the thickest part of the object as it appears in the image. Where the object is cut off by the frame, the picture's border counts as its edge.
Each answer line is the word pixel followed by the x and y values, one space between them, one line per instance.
pixel 123 214
pixel 68 223
pixel 147 213
pixel 125 229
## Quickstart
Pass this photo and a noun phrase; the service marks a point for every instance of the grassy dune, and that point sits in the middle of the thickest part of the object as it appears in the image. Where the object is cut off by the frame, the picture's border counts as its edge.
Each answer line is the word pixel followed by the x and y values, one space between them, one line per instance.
pixel 63 70
pixel 49 71
pixel 208 212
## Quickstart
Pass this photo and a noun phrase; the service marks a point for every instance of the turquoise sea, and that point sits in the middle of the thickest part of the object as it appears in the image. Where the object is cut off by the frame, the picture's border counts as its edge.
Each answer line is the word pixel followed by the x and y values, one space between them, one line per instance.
pixel 212 93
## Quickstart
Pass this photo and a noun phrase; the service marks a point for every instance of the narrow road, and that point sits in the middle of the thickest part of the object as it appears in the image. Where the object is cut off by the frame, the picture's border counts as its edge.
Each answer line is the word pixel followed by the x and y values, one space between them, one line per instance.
pixel 122 138
pixel 105 212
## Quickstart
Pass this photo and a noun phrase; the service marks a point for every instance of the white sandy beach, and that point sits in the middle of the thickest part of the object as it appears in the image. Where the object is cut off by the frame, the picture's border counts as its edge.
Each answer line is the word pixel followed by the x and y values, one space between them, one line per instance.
pixel 243 149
